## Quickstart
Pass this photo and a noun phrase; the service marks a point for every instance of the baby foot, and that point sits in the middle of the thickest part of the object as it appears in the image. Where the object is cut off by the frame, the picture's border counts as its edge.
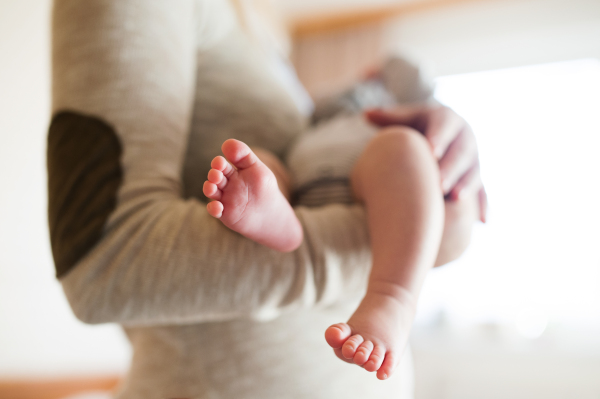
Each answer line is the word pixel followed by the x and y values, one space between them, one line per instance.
pixel 248 200
pixel 377 333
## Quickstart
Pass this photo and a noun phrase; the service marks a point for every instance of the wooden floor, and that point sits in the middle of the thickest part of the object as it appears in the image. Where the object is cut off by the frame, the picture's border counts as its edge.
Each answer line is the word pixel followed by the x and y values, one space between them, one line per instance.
pixel 55 388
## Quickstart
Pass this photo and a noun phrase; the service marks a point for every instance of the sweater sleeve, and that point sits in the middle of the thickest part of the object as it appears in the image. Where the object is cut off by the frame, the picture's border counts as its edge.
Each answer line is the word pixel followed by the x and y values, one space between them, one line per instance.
pixel 127 247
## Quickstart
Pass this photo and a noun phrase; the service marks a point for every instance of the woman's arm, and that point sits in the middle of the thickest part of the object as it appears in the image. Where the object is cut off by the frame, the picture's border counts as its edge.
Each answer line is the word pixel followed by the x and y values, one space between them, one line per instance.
pixel 127 247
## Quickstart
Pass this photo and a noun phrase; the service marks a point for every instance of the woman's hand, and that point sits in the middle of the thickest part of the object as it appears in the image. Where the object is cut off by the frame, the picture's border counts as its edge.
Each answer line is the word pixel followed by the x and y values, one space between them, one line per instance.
pixel 452 142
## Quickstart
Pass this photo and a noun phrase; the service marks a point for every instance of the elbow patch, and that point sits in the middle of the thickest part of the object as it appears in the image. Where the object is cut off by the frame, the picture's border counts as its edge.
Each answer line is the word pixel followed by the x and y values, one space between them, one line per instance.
pixel 84 176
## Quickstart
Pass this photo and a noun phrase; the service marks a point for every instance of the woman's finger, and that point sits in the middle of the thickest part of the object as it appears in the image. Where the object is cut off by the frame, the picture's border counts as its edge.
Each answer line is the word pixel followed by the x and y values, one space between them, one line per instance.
pixel 483 205
pixel 469 184
pixel 442 127
pixel 412 116
pixel 458 159
pixel 439 124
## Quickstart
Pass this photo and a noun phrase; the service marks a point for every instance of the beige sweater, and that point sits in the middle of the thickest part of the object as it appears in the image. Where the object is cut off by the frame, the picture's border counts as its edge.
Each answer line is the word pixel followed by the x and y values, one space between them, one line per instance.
pixel 144 93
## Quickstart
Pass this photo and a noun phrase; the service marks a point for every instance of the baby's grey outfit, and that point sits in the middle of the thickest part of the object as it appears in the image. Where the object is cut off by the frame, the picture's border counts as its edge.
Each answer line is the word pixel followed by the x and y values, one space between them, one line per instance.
pixel 340 133
pixel 331 148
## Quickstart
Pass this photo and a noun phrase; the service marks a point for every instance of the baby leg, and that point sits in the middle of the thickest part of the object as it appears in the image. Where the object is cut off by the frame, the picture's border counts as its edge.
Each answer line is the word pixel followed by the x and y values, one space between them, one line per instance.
pixel 397 178
pixel 247 199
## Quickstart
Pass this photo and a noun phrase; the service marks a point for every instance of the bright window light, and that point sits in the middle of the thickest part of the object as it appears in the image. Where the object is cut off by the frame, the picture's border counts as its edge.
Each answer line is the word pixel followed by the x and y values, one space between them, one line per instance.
pixel 537 260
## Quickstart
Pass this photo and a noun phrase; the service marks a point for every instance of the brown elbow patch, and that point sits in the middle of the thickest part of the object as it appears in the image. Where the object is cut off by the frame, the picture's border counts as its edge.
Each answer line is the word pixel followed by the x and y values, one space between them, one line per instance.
pixel 84 175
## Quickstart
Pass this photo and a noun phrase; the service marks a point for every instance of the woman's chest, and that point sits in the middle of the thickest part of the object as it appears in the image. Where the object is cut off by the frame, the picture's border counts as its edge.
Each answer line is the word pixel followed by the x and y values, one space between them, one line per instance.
pixel 236 96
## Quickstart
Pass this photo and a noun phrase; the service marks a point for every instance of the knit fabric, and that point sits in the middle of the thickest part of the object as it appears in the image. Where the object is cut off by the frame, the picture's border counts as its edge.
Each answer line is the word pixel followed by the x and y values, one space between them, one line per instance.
pixel 210 314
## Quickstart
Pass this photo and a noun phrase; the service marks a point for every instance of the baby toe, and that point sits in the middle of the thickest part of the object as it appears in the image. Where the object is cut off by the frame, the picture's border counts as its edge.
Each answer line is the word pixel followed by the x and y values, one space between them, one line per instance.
pixel 351 345
pixel 211 190
pixel 215 209
pixel 238 153
pixel 215 176
pixel 363 353
pixel 219 163
pixel 376 358
pixel 387 367
pixel 337 334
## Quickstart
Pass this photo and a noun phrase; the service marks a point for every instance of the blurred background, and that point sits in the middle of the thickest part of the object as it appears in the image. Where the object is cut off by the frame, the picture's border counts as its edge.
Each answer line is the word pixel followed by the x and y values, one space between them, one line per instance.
pixel 517 316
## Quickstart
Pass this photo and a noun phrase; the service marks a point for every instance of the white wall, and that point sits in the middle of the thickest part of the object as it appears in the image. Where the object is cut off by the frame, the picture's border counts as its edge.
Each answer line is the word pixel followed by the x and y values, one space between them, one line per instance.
pixel 472 35
pixel 492 34
pixel 518 316
pixel 306 8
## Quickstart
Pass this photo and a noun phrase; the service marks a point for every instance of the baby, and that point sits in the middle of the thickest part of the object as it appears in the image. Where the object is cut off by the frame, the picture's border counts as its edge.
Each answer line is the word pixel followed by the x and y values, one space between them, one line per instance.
pixel 392 172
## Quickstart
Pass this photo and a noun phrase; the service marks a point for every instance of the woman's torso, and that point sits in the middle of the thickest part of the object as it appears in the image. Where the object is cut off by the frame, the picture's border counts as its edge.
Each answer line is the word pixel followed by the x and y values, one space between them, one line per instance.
pixel 237 96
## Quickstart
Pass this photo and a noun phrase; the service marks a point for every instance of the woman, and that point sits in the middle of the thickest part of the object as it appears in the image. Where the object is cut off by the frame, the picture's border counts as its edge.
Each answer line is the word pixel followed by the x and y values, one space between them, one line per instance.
pixel 144 93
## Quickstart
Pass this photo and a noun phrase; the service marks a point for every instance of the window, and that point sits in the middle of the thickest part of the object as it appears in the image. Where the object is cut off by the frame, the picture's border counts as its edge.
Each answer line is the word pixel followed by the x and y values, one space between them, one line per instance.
pixel 536 264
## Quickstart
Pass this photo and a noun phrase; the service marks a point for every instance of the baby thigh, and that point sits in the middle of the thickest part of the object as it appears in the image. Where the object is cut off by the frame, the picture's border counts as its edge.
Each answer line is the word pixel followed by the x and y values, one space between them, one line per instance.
pixel 397 178
pixel 407 149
